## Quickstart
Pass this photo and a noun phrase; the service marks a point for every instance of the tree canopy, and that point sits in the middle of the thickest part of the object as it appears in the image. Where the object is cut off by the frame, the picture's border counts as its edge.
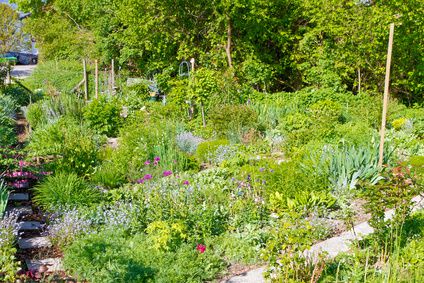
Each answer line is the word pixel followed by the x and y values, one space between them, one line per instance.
pixel 275 45
pixel 10 32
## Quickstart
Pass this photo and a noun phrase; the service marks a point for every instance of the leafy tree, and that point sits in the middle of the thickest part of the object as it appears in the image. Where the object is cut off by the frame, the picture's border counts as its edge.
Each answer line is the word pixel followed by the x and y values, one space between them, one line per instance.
pixel 10 32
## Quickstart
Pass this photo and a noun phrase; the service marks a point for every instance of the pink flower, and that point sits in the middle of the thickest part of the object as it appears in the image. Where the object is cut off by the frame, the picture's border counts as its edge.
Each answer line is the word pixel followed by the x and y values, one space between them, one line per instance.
pixel 147 162
pixel 167 173
pixel 157 158
pixel 147 177
pixel 155 163
pixel 186 182
pixel 201 248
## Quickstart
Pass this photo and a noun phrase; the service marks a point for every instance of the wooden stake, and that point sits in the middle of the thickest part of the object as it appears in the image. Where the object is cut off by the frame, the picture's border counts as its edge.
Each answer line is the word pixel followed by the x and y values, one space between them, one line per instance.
pixel 112 80
pixel 84 63
pixel 359 80
pixel 386 94
pixel 96 80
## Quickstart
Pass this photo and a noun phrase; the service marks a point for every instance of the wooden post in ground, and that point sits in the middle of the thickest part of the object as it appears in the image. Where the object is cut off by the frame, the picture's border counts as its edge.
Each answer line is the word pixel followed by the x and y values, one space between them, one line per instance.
pixel 84 63
pixel 386 94
pixel 359 80
pixel 96 80
pixel 112 81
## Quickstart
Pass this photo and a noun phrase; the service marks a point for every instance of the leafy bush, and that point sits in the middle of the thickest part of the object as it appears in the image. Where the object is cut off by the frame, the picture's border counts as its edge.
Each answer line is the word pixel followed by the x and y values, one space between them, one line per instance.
pixel 51 109
pixel 64 190
pixel 73 145
pixel 111 257
pixel 206 150
pixel 237 119
pixel 8 261
pixel 103 116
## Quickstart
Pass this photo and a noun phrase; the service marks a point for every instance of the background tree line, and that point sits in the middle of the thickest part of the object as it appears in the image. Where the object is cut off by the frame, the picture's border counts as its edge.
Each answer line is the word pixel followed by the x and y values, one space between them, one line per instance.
pixel 271 45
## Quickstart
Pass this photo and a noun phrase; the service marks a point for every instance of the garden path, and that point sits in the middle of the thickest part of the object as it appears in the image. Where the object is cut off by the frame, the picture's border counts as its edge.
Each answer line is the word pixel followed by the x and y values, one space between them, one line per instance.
pixel 332 246
pixel 34 248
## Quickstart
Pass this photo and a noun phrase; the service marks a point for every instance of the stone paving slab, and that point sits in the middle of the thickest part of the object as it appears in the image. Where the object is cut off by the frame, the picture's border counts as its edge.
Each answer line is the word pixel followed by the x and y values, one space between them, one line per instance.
pixel 53 264
pixel 34 243
pixel 20 211
pixel 29 225
pixel 18 197
pixel 253 276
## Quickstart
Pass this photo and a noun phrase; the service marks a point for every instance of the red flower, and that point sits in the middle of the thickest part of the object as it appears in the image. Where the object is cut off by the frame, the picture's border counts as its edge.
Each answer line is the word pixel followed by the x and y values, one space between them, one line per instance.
pixel 201 248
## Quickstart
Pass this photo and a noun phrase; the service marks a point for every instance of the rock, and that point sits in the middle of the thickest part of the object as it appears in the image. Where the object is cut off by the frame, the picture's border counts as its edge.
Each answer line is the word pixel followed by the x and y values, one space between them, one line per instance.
pixel 34 243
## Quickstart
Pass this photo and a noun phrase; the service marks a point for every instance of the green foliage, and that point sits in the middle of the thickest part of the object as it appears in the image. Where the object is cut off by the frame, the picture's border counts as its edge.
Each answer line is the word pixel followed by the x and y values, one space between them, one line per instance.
pixel 110 257
pixel 206 150
pixel 64 190
pixel 10 34
pixel 56 77
pixel 289 239
pixel 73 146
pixel 8 106
pixel 237 119
pixel 395 192
pixel 50 109
pixel 166 236
pixel 4 197
pixel 8 261
pixel 103 116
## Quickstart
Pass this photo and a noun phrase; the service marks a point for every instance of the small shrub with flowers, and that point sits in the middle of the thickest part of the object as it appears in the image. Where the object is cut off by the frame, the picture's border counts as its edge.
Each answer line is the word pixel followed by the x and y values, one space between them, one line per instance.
pixel 8 261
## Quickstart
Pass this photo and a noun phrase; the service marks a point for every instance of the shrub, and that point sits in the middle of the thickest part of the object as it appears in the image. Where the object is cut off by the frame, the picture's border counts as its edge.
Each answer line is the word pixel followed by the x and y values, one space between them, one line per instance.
pixel 111 257
pixel 103 116
pixel 64 190
pixel 73 145
pixel 8 261
pixel 232 118
pixel 206 150
pixel 51 109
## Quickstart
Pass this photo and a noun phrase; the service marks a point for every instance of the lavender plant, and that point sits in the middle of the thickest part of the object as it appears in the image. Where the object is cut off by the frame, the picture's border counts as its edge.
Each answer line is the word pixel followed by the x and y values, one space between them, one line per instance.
pixel 187 142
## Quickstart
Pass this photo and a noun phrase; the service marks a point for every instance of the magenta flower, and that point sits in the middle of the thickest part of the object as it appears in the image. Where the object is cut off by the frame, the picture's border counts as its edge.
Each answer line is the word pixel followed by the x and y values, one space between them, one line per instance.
pixel 147 162
pixel 201 248
pixel 186 182
pixel 155 163
pixel 157 158
pixel 147 177
pixel 140 181
pixel 167 173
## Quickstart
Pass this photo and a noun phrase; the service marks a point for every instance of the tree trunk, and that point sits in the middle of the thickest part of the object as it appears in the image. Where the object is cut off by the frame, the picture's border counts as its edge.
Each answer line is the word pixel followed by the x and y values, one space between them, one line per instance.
pixel 228 46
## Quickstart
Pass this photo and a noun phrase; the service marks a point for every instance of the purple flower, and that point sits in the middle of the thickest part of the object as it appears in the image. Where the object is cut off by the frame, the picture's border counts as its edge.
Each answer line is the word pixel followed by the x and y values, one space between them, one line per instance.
pixel 147 162
pixel 157 158
pixel 155 163
pixel 261 169
pixel 167 173
pixel 186 182
pixel 140 181
pixel 147 177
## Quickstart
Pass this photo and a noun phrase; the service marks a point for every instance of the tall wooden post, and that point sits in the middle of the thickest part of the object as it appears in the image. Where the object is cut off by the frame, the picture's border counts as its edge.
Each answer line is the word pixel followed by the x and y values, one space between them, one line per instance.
pixel 96 79
pixel 386 94
pixel 84 64
pixel 112 73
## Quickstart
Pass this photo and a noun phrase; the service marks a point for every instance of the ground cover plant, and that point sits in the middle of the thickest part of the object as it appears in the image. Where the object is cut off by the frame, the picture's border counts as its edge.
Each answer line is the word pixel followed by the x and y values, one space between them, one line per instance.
pixel 265 144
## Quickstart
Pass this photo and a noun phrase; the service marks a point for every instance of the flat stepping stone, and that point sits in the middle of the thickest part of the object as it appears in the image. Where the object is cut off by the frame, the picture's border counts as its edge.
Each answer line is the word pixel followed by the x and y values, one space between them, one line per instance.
pixel 20 210
pixel 53 264
pixel 29 225
pixel 34 243
pixel 18 197
pixel 253 276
